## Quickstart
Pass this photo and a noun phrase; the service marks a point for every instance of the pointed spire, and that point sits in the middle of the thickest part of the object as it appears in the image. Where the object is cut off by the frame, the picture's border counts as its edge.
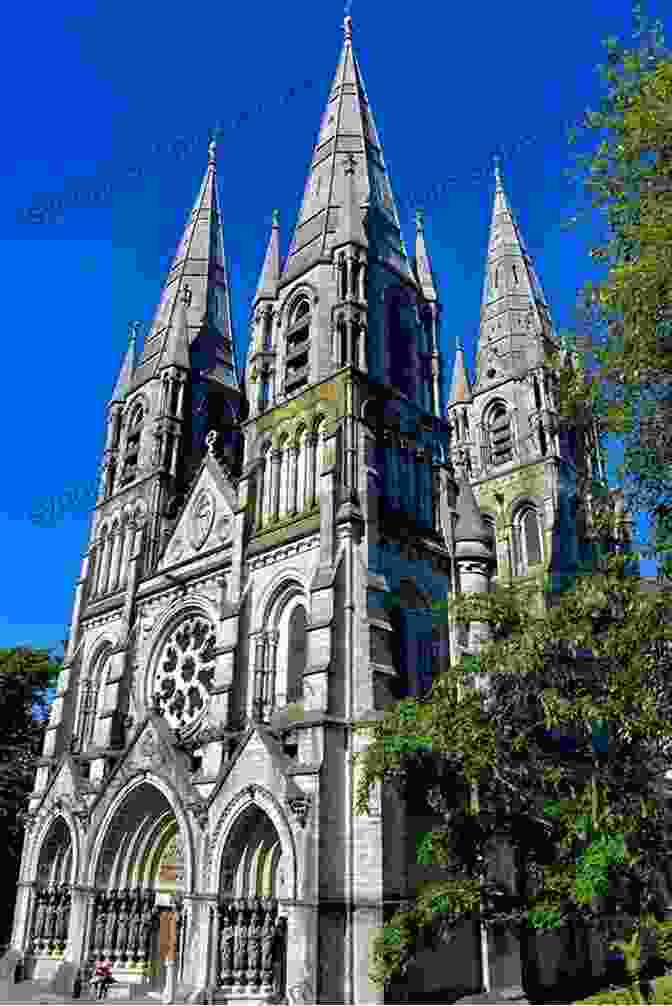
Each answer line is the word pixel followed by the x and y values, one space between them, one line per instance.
pixel 125 378
pixel 351 227
pixel 423 265
pixel 347 125
pixel 470 527
pixel 460 388
pixel 270 271
pixel 514 314
pixel 176 353
pixel 200 260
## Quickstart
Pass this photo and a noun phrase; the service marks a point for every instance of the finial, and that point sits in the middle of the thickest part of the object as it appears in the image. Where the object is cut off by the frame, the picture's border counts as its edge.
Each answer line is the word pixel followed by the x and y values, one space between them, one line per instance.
pixel 276 218
pixel 419 219
pixel 186 295
pixel 347 24
pixel 498 177
pixel 212 151
pixel 350 163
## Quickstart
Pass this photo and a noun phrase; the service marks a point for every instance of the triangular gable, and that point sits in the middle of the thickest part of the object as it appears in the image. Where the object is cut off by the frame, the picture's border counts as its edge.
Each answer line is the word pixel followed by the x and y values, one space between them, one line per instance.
pixel 206 520
pixel 258 737
pixel 151 750
pixel 63 783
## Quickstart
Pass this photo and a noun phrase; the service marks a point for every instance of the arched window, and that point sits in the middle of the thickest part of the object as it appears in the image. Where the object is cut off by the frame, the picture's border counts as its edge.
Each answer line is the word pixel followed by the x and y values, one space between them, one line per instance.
pixel 297 651
pixel 300 311
pixel 500 439
pixel 528 549
pixel 489 521
pixel 132 451
pixel 297 348
pixel 92 700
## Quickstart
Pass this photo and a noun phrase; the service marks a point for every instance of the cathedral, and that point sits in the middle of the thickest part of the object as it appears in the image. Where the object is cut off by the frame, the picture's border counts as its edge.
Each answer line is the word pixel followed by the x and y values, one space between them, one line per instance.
pixel 267 553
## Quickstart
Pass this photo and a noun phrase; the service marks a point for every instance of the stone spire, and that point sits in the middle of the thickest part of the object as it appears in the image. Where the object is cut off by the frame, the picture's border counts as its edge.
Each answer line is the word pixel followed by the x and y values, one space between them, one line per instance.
pixel 423 265
pixel 347 126
pixel 125 378
pixel 460 388
pixel 200 263
pixel 351 225
pixel 515 322
pixel 270 271
pixel 176 353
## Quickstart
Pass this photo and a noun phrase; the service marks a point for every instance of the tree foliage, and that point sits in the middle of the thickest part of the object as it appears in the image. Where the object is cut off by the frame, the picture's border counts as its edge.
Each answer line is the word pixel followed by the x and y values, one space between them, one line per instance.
pixel 555 739
pixel 626 368
pixel 26 675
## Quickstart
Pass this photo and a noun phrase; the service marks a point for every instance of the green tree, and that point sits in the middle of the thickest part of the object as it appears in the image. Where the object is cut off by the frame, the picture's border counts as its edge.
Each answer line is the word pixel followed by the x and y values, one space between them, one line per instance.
pixel 626 359
pixel 26 677
pixel 555 740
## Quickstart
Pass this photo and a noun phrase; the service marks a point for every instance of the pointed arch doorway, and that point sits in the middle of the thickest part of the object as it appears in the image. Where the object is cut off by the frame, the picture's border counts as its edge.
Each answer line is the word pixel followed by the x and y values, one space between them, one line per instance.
pixel 250 946
pixel 137 922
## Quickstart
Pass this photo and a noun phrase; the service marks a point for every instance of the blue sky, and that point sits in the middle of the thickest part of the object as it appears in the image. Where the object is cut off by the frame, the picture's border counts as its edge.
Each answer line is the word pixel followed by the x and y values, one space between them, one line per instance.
pixel 109 91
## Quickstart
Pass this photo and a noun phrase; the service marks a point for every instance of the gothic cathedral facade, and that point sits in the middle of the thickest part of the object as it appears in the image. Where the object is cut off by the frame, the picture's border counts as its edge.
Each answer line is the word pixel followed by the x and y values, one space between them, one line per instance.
pixel 265 556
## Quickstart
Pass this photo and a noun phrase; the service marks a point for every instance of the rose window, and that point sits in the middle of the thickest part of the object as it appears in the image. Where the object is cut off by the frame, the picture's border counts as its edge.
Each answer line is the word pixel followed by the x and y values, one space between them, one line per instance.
pixel 184 674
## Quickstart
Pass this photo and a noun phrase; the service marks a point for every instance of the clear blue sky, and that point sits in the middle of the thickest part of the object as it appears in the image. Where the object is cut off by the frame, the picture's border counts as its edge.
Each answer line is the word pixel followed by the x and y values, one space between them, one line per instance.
pixel 97 91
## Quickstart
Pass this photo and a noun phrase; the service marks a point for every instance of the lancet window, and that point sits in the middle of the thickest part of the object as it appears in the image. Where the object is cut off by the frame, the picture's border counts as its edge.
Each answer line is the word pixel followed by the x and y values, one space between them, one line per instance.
pixel 528 548
pixel 297 349
pixel 132 446
pixel 499 437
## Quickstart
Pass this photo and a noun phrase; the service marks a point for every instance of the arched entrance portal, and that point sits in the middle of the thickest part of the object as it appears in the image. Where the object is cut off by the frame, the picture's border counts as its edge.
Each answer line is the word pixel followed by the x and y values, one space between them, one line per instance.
pixel 251 938
pixel 51 911
pixel 136 920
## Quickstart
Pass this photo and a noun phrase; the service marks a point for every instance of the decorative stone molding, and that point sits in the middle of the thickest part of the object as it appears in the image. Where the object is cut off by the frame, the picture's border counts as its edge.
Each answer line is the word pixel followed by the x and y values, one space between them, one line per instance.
pixel 200 811
pixel 300 807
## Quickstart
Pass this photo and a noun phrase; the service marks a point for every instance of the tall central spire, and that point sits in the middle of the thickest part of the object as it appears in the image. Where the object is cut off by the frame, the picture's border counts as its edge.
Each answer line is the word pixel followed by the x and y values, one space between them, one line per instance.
pixel 347 127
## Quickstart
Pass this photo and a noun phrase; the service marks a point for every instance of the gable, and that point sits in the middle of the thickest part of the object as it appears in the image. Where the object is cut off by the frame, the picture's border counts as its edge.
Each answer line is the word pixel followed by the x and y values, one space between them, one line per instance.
pixel 206 521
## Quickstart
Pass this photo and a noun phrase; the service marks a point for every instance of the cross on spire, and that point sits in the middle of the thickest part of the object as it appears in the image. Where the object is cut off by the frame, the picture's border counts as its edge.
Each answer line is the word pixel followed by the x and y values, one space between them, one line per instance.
pixel 498 178
pixel 347 23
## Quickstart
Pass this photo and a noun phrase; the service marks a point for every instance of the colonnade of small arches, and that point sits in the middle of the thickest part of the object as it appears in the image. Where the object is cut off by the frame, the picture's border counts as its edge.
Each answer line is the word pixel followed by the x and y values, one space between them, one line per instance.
pixel 288 473
pixel 119 538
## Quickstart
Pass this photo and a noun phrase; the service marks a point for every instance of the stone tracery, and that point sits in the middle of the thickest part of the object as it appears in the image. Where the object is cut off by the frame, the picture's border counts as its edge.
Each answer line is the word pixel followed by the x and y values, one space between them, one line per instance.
pixel 184 673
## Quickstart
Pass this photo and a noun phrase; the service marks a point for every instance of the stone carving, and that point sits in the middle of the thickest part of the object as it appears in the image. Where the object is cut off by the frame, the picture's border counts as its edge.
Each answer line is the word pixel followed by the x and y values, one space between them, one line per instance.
pixel 184 674
pixel 226 947
pixel 254 946
pixel 240 944
pixel 202 517
pixel 250 942
pixel 148 747
pixel 300 806
pixel 200 811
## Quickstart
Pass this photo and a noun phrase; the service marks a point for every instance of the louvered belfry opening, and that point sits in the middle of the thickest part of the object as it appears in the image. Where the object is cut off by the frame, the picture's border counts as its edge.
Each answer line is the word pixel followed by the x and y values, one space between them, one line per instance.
pixel 501 441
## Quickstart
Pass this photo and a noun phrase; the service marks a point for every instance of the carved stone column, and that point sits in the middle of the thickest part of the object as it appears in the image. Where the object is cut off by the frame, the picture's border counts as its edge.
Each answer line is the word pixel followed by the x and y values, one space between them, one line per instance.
pixel 293 478
pixel 258 694
pixel 311 442
pixel 276 461
pixel 271 651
